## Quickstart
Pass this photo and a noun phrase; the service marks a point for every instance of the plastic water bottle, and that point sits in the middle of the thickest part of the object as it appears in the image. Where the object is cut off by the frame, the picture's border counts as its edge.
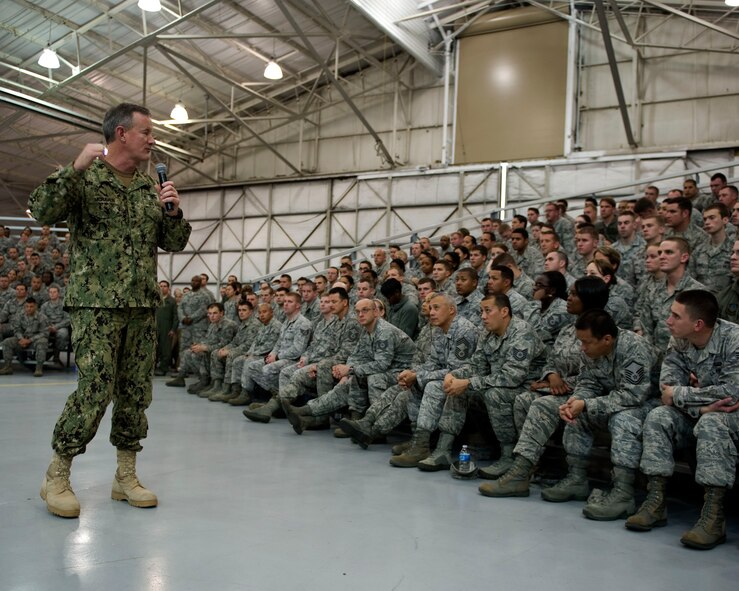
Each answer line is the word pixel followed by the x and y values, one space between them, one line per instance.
pixel 464 459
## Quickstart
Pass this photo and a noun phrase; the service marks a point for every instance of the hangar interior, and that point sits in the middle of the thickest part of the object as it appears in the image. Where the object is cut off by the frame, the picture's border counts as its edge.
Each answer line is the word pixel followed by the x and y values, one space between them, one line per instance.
pixel 389 118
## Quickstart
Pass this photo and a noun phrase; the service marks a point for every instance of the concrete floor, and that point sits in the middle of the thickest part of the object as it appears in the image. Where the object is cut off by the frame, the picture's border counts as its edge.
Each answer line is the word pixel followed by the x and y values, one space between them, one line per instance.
pixel 247 506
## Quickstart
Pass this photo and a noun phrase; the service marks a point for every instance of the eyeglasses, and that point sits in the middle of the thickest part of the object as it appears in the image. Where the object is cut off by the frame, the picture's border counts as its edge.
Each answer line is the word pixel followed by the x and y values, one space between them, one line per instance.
pixel 538 286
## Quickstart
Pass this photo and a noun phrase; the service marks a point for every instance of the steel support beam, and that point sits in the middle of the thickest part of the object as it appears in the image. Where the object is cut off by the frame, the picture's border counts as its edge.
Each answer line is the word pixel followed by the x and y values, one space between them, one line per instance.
pixel 329 74
pixel 694 19
pixel 610 52
pixel 238 119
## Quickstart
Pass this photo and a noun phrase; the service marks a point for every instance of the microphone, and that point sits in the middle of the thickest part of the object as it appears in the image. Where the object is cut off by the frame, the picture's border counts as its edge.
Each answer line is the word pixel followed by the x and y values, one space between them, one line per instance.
pixel 161 169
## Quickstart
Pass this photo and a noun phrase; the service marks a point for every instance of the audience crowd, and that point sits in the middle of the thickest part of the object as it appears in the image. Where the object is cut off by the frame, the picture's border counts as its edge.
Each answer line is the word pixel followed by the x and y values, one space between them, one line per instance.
pixel 619 321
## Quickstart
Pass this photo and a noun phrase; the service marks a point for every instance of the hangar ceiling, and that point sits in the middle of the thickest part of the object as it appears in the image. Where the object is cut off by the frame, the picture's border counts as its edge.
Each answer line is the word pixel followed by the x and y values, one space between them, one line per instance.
pixel 210 56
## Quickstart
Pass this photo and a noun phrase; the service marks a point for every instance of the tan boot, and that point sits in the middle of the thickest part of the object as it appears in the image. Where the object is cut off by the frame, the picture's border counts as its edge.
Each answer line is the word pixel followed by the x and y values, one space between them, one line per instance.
pixel 56 489
pixel 39 370
pixel 419 450
pixel 126 486
pixel 710 530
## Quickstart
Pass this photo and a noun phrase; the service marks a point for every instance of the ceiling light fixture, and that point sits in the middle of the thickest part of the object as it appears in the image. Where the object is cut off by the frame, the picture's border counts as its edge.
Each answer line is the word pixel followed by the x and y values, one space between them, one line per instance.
pixel 48 59
pixel 179 113
pixel 150 5
pixel 732 2
pixel 273 71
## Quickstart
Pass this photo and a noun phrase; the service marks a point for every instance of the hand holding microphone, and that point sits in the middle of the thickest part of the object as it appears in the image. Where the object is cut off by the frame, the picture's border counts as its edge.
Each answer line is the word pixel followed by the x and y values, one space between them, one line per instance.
pixel 169 190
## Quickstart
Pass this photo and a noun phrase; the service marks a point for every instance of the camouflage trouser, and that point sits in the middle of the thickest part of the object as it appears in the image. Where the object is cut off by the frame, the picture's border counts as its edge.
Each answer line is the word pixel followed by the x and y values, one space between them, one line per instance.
pixel 197 363
pixel 389 410
pixel 61 339
pixel 626 434
pixel 221 367
pixel 295 381
pixel 357 393
pixel 499 403
pixel 267 375
pixel 325 380
pixel 195 333
pixel 666 429
pixel 541 422
pixel 717 435
pixel 237 368
pixel 114 352
pixel 38 347
pixel 437 410
pixel 521 406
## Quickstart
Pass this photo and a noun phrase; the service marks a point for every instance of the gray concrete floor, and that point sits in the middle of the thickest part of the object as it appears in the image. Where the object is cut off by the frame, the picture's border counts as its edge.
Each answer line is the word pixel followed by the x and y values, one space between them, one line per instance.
pixel 247 506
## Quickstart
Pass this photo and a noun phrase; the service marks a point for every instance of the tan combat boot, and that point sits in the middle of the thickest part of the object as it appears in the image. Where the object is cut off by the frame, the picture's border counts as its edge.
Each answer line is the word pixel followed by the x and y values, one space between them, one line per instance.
pixel 653 511
pixel 419 450
pixel 710 530
pixel 56 489
pixel 39 370
pixel 126 486
pixel 514 483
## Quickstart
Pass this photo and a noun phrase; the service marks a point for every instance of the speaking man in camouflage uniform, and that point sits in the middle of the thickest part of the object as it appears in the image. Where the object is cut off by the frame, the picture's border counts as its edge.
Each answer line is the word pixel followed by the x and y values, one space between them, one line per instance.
pixel 31 334
pixel 221 360
pixel 508 357
pixel 700 392
pixel 263 343
pixel 381 353
pixel 193 313
pixel 292 343
pixel 117 219
pixel 453 342
pixel 196 359
pixel 59 322
pixel 322 343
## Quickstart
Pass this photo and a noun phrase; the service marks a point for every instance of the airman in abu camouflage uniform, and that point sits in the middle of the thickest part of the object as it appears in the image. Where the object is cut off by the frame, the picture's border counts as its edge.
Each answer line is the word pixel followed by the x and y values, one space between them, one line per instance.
pixel 394 404
pixel 710 262
pixel 699 383
pixel 31 333
pixel 509 356
pixel 323 342
pixel 294 338
pixel 611 393
pixel 381 353
pixel 196 359
pixel 264 342
pixel 453 341
pixel 117 219
pixel 221 360
pixel 653 315
pixel 59 322
pixel 193 314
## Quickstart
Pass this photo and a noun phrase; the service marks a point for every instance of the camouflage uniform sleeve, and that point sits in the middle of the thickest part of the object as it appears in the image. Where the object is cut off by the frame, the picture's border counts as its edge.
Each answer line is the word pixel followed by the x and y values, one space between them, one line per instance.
pixel 513 369
pixel 433 368
pixel 633 372
pixel 57 196
pixel 385 343
pixel 40 332
pixel 300 338
pixel 725 381
pixel 478 365
pixel 347 341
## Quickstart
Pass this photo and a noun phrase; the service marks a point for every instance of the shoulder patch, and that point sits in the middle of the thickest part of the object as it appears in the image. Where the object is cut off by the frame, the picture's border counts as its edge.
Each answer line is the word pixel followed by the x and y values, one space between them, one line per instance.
pixel 462 348
pixel 519 354
pixel 381 345
pixel 634 373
